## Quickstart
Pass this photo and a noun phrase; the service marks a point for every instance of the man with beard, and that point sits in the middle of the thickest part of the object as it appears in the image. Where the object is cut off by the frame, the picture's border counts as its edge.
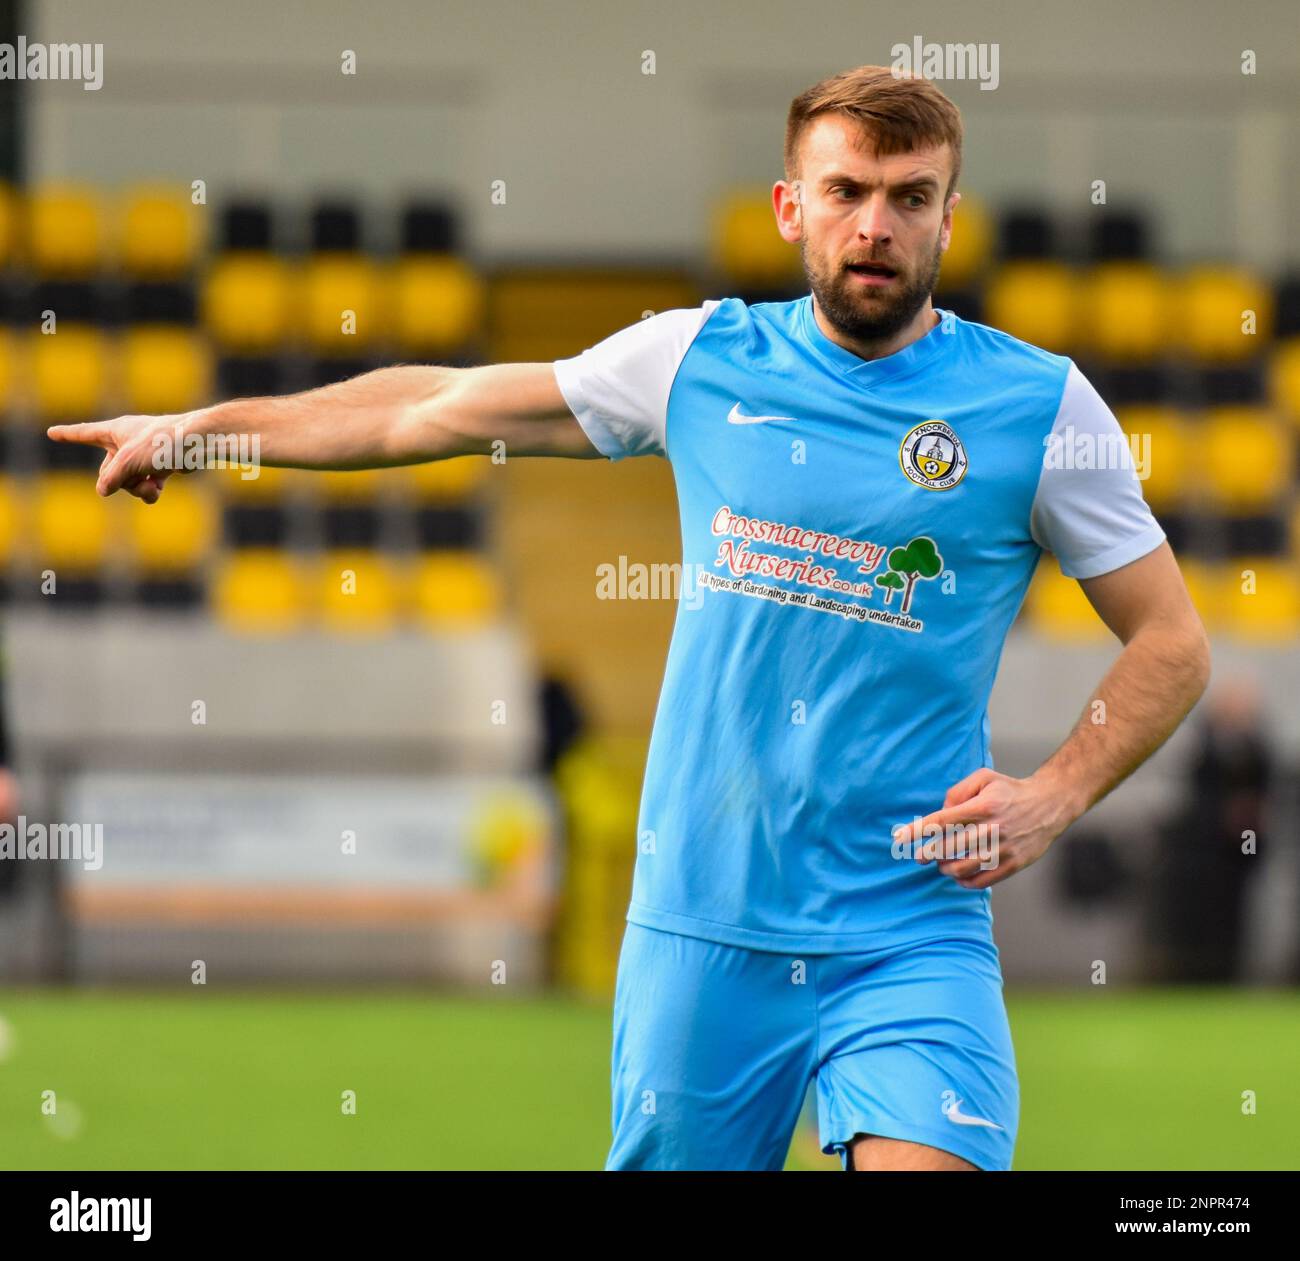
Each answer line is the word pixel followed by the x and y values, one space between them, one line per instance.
pixel 799 911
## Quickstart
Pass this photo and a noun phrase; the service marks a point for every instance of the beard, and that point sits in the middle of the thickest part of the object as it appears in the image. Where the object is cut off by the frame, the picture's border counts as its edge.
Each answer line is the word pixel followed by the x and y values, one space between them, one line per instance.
pixel 868 314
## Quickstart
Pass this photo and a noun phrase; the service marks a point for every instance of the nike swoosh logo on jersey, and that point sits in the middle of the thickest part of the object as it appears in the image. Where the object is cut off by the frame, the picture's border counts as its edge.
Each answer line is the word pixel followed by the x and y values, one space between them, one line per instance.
pixel 735 417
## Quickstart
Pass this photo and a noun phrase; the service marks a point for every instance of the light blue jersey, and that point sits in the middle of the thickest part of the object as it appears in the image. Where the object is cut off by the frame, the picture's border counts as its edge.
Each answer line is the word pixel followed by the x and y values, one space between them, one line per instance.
pixel 857 537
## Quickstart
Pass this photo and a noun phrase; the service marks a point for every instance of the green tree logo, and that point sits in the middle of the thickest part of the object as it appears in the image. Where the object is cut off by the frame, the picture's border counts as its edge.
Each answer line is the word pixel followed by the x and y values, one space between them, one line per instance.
pixel 919 559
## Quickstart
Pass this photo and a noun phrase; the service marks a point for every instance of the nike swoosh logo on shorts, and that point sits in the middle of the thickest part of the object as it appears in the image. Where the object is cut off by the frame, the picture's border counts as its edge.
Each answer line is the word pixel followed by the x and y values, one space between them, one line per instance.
pixel 735 417
pixel 956 1115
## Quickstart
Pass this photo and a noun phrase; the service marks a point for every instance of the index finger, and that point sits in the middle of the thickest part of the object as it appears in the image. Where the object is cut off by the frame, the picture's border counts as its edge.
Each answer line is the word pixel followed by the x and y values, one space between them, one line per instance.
pixel 90 432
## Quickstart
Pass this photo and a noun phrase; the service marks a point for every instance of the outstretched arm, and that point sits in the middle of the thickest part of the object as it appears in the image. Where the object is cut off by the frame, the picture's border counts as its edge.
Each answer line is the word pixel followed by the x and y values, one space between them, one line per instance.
pixel 1146 693
pixel 402 415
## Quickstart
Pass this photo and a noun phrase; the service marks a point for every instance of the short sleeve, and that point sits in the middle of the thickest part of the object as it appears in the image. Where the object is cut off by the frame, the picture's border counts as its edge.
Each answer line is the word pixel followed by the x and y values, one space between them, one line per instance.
pixel 1088 508
pixel 618 389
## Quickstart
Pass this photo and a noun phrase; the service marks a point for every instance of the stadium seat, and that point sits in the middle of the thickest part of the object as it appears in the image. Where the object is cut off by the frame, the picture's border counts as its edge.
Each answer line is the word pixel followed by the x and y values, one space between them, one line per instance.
pixel 429 227
pixel 1202 585
pixel 1284 378
pixel 1124 311
pixel 164 370
pixel 232 486
pixel 540 314
pixel 1026 233
pixel 1058 608
pixel 8 371
pixel 1211 302
pixel 159 233
pixel 1118 236
pixel 10 218
pixel 178 533
pixel 253 525
pixel 970 249
pixel 335 228
pixel 448 481
pixel 358 592
pixel 260 591
pixel 1287 305
pixel 72 523
pixel 69 373
pixel 246 226
pixel 343 301
pixel 347 487
pixel 454 589
pixel 249 302
pixel 1164 436
pixel 747 248
pixel 12 517
pixel 65 231
pixel 1037 301
pixel 1246 456
pixel 438 304
pixel 1268 613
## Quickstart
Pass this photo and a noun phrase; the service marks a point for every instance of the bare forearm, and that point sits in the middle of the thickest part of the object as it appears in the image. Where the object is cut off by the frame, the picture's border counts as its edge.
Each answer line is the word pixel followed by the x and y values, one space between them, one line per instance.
pixel 365 422
pixel 1146 693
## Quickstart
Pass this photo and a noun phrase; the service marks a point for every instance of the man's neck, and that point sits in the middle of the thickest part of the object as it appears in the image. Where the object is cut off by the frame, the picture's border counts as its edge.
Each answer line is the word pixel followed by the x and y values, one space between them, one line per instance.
pixel 926 319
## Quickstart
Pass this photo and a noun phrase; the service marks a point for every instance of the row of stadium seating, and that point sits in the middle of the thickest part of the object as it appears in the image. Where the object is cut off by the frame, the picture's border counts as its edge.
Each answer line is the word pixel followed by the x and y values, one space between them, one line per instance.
pixel 1118 303
pixel 272 591
pixel 158 232
pixel 79 372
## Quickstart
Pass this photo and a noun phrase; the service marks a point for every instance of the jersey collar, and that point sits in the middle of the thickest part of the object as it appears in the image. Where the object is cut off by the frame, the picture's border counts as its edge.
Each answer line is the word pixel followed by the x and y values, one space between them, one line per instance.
pixel 870 372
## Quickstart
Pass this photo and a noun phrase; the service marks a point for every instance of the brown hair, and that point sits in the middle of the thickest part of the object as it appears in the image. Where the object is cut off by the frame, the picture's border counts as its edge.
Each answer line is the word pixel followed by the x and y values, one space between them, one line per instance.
pixel 899 112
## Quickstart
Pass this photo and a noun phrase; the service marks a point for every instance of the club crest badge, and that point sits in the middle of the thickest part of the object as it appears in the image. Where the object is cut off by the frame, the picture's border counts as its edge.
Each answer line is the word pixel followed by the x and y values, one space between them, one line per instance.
pixel 932 456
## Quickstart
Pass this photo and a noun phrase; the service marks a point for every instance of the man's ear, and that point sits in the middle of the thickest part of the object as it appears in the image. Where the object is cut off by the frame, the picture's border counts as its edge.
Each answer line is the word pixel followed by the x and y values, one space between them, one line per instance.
pixel 787 203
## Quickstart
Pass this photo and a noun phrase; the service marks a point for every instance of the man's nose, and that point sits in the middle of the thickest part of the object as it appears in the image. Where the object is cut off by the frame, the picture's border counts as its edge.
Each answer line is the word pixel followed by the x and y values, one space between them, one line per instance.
pixel 874 224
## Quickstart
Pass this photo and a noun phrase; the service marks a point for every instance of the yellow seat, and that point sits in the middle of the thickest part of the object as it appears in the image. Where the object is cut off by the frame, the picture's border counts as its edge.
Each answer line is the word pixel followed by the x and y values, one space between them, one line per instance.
pixel 164 369
pixel 1161 437
pixel 1203 586
pixel 454 590
pixel 448 481
pixel 747 248
pixel 10 218
pixel 65 232
pixel 1058 608
pixel 159 233
pixel 248 302
pixel 341 486
pixel 1284 378
pixel 178 533
pixel 343 301
pixel 438 304
pixel 1259 599
pixel 1246 458
pixel 13 512
pixel 1035 301
pixel 260 591
pixel 8 370
pixel 971 246
pixel 1211 306
pixel 1125 311
pixel 69 372
pixel 358 591
pixel 230 483
pixel 71 522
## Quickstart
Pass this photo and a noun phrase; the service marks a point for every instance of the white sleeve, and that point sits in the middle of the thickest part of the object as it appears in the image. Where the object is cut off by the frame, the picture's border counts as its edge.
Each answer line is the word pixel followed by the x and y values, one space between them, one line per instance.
pixel 1088 508
pixel 618 389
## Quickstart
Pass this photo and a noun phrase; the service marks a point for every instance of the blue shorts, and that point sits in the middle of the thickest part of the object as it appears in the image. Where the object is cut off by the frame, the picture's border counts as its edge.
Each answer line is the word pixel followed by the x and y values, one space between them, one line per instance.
pixel 714 1047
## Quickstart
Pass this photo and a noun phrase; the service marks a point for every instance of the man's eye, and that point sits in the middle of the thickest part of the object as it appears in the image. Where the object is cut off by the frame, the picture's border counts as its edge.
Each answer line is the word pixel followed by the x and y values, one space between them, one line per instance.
pixel 917 200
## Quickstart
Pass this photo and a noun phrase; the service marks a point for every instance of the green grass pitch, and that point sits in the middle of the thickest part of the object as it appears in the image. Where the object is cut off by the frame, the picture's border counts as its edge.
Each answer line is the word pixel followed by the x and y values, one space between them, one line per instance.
pixel 1139 1079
